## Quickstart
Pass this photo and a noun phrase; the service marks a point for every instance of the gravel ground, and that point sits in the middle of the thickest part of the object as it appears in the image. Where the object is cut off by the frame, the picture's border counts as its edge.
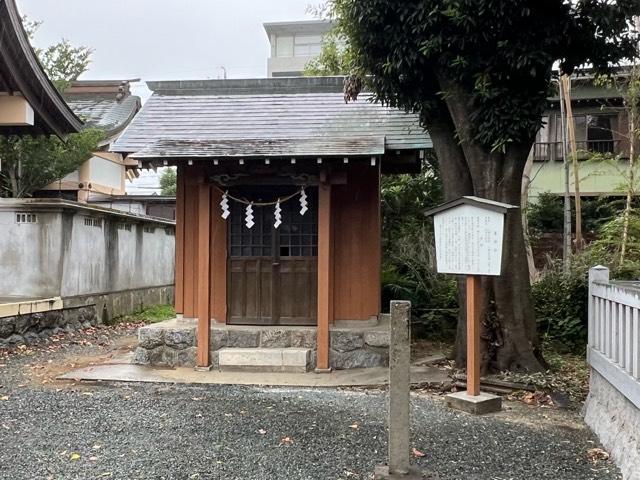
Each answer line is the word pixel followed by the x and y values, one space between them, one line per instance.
pixel 133 431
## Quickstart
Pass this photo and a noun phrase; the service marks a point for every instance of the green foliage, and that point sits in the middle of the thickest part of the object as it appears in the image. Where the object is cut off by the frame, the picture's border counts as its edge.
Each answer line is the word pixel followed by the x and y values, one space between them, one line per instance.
pixel 500 53
pixel 546 213
pixel 30 163
pixel 334 59
pixel 561 306
pixel 63 62
pixel 561 298
pixel 168 182
pixel 408 254
pixel 152 314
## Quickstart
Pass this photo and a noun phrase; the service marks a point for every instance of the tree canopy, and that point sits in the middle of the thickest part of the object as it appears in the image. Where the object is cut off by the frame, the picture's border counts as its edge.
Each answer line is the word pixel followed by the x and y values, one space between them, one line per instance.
pixel 168 182
pixel 478 73
pixel 32 162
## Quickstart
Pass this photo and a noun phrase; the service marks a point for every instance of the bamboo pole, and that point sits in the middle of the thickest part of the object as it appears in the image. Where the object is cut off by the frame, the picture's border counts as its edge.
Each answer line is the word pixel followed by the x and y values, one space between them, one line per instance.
pixel 566 235
pixel 571 129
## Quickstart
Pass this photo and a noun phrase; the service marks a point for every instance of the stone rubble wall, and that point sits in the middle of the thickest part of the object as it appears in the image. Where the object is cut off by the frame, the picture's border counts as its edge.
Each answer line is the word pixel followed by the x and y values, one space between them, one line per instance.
pixel 616 421
pixel 174 344
pixel 32 328
pixel 78 313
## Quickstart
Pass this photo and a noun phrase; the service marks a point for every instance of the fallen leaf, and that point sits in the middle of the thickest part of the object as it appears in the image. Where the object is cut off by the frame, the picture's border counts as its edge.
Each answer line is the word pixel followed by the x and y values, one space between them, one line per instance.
pixel 355 426
pixel 4 398
pixel 262 432
pixel 74 457
pixel 286 441
pixel 97 447
pixel 93 459
pixel 88 394
pixel 417 453
pixel 597 455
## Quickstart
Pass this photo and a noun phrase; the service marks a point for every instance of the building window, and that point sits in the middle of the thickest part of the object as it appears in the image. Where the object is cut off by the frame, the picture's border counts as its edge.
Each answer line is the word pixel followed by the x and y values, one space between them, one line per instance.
pixel 171 231
pixel 284 46
pixel 26 218
pixel 124 226
pixel 147 229
pixel 594 132
pixel 307 45
pixel 297 46
pixel 93 222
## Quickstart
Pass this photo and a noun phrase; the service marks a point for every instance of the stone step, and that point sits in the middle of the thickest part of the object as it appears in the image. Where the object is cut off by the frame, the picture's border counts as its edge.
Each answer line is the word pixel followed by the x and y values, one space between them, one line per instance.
pixel 290 360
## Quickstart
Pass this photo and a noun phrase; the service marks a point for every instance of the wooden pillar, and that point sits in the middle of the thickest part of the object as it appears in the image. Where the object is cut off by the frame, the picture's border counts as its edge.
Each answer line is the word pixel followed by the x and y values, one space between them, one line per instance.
pixel 204 277
pixel 325 280
pixel 474 308
pixel 179 272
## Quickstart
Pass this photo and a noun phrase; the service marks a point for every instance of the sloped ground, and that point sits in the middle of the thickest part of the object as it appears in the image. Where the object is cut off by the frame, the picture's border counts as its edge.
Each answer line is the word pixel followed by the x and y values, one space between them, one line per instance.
pixel 51 429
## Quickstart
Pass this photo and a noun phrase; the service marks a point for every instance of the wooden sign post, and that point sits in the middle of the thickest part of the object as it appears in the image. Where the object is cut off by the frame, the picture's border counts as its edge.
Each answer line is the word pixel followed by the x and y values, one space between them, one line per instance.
pixel 469 235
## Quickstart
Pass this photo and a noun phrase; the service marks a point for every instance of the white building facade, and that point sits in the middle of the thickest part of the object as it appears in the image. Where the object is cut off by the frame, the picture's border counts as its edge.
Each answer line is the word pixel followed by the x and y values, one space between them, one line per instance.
pixel 293 45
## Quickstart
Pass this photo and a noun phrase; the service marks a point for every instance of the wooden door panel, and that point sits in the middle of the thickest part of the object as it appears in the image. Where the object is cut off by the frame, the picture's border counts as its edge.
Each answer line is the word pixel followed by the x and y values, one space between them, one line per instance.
pixel 298 287
pixel 250 290
pixel 273 272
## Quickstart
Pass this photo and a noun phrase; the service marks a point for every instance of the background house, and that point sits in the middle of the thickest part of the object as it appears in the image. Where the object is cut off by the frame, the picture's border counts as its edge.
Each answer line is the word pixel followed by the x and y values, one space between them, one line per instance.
pixel 109 106
pixel 293 45
pixel 601 125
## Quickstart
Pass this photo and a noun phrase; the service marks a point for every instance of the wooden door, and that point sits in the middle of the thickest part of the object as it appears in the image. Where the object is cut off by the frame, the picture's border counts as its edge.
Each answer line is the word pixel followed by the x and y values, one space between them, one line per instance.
pixel 272 272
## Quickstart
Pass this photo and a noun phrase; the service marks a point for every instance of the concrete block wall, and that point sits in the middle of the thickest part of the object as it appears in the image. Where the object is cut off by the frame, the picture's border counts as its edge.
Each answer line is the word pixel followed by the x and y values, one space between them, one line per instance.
pixel 616 421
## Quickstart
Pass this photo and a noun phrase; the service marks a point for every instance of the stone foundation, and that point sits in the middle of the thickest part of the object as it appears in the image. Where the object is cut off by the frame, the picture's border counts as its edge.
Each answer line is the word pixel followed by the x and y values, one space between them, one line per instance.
pixel 173 343
pixel 616 421
pixel 75 313
pixel 31 328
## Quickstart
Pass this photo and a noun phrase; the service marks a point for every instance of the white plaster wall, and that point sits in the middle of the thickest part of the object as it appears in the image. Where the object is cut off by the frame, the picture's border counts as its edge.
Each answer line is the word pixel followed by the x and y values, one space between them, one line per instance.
pixel 62 255
pixel 616 421
pixel 85 259
pixel 30 261
pixel 107 173
pixel 158 255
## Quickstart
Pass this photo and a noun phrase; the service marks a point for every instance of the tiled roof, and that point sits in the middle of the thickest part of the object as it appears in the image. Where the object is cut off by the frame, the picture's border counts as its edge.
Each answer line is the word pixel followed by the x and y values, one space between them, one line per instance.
pixel 104 111
pixel 245 117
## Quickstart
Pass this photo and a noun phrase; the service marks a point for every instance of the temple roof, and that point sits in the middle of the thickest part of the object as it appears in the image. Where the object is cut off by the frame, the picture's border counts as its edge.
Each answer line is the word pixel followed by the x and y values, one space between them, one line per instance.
pixel 303 116
pixel 107 105
pixel 21 73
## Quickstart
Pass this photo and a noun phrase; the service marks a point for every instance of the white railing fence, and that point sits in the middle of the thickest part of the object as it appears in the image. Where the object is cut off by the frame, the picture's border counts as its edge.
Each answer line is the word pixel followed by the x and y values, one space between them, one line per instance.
pixel 614 332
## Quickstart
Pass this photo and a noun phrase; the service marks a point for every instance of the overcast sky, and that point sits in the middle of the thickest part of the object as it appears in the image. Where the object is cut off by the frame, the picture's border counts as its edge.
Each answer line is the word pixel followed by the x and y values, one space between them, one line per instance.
pixel 164 40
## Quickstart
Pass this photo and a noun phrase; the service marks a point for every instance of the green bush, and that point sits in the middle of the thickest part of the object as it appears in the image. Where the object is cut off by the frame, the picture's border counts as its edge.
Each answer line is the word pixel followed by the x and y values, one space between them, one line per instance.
pixel 408 271
pixel 560 302
pixel 560 298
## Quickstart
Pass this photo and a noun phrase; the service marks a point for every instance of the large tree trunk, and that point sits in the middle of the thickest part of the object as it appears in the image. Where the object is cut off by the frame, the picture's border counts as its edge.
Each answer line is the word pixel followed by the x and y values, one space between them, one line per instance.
pixel 510 339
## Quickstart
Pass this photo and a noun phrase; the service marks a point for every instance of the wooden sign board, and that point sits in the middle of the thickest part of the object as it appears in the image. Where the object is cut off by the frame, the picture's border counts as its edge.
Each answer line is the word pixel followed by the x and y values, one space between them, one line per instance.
pixel 469 235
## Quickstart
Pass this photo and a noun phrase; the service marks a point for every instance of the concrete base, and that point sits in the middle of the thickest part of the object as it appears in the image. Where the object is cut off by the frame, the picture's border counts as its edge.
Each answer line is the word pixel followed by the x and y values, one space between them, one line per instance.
pixel 292 360
pixel 478 405
pixel 203 369
pixel 382 473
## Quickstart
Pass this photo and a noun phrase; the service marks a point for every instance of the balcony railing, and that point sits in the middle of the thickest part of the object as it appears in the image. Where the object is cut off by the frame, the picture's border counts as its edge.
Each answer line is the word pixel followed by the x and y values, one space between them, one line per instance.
pixel 549 151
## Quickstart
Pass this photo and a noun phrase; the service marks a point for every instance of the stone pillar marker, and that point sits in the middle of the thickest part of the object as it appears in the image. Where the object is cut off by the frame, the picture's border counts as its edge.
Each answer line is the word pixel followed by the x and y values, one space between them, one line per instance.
pixel 399 383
